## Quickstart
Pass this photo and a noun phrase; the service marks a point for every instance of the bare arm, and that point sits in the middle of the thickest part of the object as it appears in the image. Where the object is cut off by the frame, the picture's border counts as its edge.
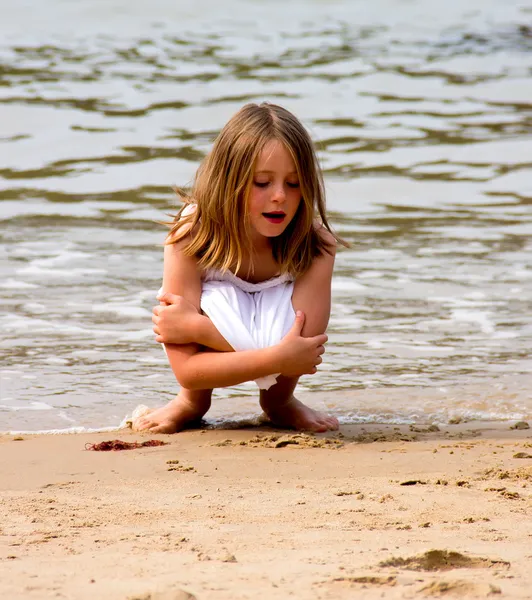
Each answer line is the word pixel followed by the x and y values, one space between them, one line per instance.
pixel 177 321
pixel 194 369
pixel 312 291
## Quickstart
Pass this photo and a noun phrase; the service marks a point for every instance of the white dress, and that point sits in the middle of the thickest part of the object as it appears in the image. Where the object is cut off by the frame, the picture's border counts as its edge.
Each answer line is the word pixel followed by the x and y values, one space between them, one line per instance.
pixel 249 315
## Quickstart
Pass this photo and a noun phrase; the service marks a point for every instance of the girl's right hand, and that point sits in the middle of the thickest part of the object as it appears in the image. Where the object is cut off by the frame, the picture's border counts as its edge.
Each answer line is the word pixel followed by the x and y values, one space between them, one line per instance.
pixel 300 355
pixel 174 320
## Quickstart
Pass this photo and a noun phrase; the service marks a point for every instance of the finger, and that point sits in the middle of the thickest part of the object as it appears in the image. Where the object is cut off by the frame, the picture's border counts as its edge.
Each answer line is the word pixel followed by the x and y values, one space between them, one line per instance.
pixel 319 360
pixel 156 330
pixel 167 297
pixel 159 338
pixel 156 309
pixel 321 350
pixel 299 321
pixel 155 319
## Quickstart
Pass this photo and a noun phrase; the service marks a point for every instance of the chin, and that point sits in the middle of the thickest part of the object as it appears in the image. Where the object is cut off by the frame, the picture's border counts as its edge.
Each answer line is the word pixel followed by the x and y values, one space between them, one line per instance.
pixel 276 234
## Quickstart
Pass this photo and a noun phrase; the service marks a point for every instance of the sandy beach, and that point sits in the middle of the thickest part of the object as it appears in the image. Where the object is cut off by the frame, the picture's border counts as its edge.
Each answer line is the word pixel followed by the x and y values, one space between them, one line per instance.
pixel 372 512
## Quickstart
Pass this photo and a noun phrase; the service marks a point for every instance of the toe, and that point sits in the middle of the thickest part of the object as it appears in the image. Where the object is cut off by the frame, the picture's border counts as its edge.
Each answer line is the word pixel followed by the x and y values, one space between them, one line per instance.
pixel 142 424
pixel 333 423
pixel 137 425
pixel 319 426
pixel 326 422
pixel 158 429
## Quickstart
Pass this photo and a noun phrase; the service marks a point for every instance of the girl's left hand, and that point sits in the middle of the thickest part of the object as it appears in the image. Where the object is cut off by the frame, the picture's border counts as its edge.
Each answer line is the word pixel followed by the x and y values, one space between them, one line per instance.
pixel 174 322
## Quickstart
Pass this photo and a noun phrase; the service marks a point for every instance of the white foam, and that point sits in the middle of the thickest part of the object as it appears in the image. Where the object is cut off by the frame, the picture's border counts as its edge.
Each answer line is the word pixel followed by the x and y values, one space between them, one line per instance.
pixel 370 274
pixel 35 307
pixel 149 360
pixel 429 348
pixel 468 301
pixel 17 324
pixel 16 284
pixel 55 360
pixel 85 353
pixel 64 258
pixel 142 214
pixel 65 417
pixel 471 248
pixel 475 295
pixel 505 335
pixel 15 208
pixel 69 273
pixel 133 336
pixel 475 317
pixel 347 322
pixel 68 430
pixel 122 310
pixel 346 284
pixel 31 406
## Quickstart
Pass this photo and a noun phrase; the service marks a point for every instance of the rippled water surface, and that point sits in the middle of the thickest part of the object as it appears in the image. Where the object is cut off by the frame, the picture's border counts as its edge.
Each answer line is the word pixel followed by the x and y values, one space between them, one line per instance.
pixel 422 114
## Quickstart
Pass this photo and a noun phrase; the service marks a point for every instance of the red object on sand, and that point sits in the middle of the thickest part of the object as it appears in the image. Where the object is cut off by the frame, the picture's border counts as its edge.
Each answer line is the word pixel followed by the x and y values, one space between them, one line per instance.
pixel 120 445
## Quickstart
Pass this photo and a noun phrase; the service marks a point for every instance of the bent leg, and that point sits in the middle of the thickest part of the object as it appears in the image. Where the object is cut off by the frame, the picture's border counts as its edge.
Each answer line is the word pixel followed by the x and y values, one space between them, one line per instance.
pixel 188 406
pixel 285 410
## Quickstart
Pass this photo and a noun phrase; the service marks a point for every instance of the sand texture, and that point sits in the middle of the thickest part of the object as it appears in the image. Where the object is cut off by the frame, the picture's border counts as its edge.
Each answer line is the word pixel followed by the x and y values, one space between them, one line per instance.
pixel 372 512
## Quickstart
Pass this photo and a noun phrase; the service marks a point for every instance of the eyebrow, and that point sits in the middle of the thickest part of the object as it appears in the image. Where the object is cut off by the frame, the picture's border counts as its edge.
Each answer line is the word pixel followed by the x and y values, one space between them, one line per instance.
pixel 273 172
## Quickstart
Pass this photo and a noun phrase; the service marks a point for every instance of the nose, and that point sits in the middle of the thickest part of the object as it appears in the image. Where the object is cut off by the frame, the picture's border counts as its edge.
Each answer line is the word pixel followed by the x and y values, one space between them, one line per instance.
pixel 279 194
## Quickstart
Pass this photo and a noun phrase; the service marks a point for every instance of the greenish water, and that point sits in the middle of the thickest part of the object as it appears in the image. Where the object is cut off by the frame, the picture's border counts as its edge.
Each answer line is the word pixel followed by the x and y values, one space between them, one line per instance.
pixel 422 114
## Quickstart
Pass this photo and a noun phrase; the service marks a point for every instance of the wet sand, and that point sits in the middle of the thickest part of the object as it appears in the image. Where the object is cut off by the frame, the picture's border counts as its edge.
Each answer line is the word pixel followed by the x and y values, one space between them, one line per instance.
pixel 373 512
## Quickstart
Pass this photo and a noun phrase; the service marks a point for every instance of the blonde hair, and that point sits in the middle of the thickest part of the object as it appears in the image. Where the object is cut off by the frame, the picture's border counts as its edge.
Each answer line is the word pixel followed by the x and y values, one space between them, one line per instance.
pixel 218 228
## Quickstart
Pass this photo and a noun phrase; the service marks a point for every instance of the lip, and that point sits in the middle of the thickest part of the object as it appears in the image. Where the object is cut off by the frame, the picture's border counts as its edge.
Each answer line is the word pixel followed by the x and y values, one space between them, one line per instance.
pixel 275 216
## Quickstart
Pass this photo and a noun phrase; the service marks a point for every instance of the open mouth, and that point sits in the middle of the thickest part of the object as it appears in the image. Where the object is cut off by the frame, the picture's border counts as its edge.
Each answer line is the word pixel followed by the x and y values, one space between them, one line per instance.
pixel 274 217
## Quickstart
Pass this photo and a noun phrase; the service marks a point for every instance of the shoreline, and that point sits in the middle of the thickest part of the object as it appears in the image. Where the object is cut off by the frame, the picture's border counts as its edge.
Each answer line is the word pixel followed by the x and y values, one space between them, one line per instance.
pixel 260 422
pixel 398 406
pixel 375 511
pixel 457 426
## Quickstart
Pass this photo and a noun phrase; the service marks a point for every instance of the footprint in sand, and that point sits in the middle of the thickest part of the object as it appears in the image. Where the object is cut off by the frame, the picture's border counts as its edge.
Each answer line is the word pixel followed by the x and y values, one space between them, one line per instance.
pixel 175 594
pixel 443 560
pixel 302 440
pixel 459 589
pixel 521 474
pixel 365 580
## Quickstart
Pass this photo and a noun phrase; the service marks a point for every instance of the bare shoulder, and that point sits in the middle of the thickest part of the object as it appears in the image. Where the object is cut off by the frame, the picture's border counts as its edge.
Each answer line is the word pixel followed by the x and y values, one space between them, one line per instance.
pixel 181 274
pixel 177 260
pixel 176 249
pixel 183 226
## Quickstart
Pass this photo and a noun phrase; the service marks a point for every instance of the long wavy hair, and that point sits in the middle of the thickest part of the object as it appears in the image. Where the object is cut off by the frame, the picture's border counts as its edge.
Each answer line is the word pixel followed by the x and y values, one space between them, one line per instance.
pixel 219 227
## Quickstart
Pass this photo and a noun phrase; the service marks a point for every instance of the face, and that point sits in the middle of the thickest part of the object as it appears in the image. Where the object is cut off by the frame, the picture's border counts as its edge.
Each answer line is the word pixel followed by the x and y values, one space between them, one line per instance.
pixel 275 193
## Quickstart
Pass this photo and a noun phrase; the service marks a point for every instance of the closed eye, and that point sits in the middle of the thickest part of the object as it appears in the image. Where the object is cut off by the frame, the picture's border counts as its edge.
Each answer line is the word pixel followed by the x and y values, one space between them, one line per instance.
pixel 263 184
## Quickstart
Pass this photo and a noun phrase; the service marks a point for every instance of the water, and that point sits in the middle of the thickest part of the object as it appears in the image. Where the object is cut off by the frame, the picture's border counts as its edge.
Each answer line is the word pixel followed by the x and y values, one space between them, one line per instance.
pixel 423 117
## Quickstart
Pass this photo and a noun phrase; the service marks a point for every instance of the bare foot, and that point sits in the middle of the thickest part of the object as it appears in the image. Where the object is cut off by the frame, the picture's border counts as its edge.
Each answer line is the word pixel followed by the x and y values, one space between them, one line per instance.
pixel 293 414
pixel 174 416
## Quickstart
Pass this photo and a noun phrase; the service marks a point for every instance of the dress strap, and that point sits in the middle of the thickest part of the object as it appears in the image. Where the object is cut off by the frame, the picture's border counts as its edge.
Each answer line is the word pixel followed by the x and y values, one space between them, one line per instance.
pixel 246 286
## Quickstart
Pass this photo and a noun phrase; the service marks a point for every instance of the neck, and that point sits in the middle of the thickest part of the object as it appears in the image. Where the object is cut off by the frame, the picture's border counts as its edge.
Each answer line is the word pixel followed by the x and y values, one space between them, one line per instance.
pixel 260 244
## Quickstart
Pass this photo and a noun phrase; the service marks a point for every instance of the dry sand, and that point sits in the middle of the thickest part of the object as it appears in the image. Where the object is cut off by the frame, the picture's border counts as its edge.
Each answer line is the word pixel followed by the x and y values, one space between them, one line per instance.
pixel 375 512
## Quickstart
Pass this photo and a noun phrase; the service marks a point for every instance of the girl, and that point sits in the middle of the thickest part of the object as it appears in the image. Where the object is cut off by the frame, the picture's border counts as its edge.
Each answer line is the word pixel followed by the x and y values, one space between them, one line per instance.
pixel 248 265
